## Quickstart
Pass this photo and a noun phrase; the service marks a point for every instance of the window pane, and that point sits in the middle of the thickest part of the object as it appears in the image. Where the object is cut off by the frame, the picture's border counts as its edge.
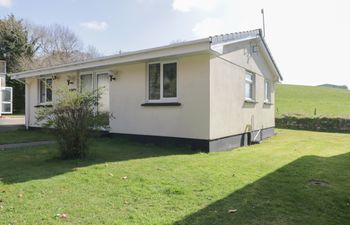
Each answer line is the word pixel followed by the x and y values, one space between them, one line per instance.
pixel 154 81
pixel 86 82
pixel 103 88
pixel 249 77
pixel 249 85
pixel 6 107
pixel 248 90
pixel 48 90
pixel 42 91
pixel 6 95
pixel 267 91
pixel 169 80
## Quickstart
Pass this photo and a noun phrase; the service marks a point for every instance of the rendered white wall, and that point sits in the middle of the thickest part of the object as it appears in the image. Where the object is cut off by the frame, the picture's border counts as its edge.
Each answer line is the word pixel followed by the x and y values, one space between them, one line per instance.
pixel 229 113
pixel 128 92
pixel 190 120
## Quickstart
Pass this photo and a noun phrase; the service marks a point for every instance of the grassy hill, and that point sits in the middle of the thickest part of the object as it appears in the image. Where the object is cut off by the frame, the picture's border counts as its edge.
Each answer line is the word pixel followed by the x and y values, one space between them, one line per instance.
pixel 303 100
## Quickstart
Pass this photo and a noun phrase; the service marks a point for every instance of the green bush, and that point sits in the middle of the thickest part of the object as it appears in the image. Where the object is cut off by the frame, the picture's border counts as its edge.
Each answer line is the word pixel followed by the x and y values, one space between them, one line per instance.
pixel 74 119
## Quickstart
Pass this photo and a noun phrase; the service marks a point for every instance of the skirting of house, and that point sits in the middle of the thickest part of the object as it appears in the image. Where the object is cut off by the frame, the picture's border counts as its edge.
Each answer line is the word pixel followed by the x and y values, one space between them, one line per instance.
pixel 217 145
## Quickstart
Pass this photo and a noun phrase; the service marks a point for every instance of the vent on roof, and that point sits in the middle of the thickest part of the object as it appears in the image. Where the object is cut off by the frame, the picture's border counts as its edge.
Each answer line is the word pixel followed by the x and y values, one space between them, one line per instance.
pixel 2 67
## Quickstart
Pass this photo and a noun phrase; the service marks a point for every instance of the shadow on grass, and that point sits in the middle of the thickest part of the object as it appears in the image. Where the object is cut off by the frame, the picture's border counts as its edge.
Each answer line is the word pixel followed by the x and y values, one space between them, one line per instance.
pixel 287 196
pixel 32 163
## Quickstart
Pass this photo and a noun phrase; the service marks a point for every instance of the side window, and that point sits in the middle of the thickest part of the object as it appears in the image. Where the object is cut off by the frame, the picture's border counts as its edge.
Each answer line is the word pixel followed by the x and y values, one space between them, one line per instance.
pixel 267 91
pixel 249 86
pixel 45 90
pixel 162 81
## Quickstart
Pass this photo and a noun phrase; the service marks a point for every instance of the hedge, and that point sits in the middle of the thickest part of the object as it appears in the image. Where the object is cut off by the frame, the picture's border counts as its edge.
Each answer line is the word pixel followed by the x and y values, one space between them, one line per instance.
pixel 314 123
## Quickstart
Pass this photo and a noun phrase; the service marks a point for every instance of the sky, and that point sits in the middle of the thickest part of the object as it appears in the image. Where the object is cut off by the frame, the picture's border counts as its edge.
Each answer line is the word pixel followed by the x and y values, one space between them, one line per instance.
pixel 308 38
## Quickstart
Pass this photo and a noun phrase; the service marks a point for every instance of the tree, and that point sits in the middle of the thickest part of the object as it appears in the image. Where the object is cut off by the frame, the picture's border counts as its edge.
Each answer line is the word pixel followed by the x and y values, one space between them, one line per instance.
pixel 25 46
pixel 73 119
pixel 15 46
pixel 57 45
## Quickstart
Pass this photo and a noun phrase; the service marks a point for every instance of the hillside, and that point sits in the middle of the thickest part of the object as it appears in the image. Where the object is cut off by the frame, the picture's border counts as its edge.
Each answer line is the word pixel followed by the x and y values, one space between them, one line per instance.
pixel 302 100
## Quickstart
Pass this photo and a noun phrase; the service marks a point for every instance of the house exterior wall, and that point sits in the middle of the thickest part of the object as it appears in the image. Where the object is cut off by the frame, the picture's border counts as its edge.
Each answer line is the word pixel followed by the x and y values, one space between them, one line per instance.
pixel 129 91
pixel 190 120
pixel 229 113
pixel 32 94
pixel 210 89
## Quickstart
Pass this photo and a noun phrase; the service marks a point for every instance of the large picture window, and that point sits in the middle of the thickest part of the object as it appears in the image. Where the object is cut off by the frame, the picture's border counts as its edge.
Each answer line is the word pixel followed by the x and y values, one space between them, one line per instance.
pixel 249 86
pixel 162 81
pixel 45 90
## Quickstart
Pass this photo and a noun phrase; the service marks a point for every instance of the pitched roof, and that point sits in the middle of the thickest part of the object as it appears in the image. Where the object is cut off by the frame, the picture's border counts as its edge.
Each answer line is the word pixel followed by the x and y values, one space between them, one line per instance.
pixel 246 35
pixel 178 49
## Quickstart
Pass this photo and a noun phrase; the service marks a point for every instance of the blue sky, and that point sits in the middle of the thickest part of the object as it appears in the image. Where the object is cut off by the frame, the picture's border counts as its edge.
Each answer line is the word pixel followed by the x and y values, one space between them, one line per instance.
pixel 114 25
pixel 309 39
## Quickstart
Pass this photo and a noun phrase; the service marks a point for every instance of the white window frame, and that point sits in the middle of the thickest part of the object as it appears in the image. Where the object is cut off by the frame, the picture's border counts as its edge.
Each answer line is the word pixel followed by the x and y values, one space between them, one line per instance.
pixel 7 102
pixel 252 83
pixel 267 91
pixel 162 99
pixel 94 75
pixel 39 89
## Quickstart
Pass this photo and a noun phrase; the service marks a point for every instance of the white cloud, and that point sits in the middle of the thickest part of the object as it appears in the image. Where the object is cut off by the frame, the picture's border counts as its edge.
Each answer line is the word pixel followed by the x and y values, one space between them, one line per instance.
pixel 209 27
pixel 6 3
pixel 94 25
pixel 188 5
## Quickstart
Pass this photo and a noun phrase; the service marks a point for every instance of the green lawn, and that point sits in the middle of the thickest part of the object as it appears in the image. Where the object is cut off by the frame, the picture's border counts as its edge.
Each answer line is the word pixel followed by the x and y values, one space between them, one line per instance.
pixel 128 183
pixel 21 136
pixel 303 100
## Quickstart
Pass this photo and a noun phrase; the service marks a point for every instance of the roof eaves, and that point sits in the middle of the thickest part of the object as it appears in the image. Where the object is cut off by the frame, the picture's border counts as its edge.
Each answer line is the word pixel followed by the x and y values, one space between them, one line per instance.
pixel 92 62
pixel 272 59
pixel 218 41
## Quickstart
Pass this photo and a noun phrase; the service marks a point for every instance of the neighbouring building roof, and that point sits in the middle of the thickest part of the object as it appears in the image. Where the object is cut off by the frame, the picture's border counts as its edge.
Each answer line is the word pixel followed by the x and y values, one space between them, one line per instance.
pixel 212 43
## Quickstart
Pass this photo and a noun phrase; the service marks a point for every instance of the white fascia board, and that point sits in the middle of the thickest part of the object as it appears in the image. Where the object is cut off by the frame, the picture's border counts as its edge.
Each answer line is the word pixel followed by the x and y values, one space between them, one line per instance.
pixel 185 48
pixel 217 49
pixel 270 59
pixel 220 46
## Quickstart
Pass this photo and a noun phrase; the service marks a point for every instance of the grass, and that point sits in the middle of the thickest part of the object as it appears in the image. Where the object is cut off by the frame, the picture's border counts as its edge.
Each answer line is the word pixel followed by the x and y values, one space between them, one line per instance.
pixel 129 183
pixel 303 100
pixel 21 136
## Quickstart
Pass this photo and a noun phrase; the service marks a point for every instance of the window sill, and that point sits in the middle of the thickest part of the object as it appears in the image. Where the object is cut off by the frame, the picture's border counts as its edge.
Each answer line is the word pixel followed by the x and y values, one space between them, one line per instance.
pixel 268 103
pixel 250 101
pixel 43 106
pixel 161 104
